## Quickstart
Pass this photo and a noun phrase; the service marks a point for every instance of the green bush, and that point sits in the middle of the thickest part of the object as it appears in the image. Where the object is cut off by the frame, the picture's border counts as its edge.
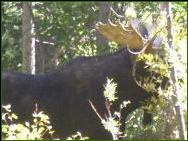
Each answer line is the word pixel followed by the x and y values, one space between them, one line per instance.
pixel 38 129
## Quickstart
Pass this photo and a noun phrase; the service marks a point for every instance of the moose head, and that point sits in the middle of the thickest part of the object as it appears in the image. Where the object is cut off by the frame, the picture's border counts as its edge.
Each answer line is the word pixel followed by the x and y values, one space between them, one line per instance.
pixel 135 38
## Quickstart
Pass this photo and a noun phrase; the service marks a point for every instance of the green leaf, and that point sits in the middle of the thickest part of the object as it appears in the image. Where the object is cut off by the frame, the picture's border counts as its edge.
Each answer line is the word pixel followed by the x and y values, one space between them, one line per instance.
pixel 110 90
pixel 14 116
pixel 41 130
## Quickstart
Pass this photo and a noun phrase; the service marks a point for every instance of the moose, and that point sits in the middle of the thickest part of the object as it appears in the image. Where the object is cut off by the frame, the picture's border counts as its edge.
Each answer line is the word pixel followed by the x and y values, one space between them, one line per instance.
pixel 65 93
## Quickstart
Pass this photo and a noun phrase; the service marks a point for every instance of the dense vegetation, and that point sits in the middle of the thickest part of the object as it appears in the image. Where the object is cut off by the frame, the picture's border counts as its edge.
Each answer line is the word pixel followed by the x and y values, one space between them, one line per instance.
pixel 65 30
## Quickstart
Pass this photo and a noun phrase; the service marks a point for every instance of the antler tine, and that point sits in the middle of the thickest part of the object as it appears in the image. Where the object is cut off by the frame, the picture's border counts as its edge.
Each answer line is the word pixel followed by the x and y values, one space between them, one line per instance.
pixel 111 23
pixel 126 36
pixel 118 26
pixel 111 31
pixel 98 25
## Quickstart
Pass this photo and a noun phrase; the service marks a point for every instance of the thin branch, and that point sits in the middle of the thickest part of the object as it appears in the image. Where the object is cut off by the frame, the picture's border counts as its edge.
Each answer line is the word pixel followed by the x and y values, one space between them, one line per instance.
pixel 95 110
pixel 107 104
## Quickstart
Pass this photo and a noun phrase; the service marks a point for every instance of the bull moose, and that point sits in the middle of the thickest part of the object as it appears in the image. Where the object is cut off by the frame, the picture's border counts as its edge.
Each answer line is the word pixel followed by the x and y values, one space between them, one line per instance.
pixel 64 93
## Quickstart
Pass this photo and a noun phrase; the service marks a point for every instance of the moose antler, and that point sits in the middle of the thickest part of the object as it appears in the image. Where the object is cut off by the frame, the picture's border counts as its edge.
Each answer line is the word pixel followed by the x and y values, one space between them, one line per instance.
pixel 126 36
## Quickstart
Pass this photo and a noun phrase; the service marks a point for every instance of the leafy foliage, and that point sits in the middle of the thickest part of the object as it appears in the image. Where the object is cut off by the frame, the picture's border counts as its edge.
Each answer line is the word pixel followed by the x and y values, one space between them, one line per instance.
pixel 11 36
pixel 110 90
pixel 70 26
pixel 112 121
pixel 160 65
pixel 77 136
pixel 38 129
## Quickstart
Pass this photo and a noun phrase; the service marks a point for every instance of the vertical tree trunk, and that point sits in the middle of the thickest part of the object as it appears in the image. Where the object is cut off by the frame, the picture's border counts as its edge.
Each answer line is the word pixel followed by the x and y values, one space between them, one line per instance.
pixel 46 56
pixel 40 59
pixel 28 42
pixel 179 114
pixel 103 17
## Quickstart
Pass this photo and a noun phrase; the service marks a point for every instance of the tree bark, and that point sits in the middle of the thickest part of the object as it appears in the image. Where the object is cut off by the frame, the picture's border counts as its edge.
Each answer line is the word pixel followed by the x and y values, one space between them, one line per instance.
pixel 46 55
pixel 104 9
pixel 179 113
pixel 28 42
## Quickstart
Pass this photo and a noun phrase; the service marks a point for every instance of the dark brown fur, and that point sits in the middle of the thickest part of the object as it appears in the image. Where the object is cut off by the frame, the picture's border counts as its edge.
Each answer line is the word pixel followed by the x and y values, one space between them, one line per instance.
pixel 64 94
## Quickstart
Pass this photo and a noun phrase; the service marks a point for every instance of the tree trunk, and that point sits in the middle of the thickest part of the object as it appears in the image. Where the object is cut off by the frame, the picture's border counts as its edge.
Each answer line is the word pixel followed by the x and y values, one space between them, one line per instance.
pixel 179 113
pixel 103 17
pixel 40 57
pixel 28 42
pixel 46 56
